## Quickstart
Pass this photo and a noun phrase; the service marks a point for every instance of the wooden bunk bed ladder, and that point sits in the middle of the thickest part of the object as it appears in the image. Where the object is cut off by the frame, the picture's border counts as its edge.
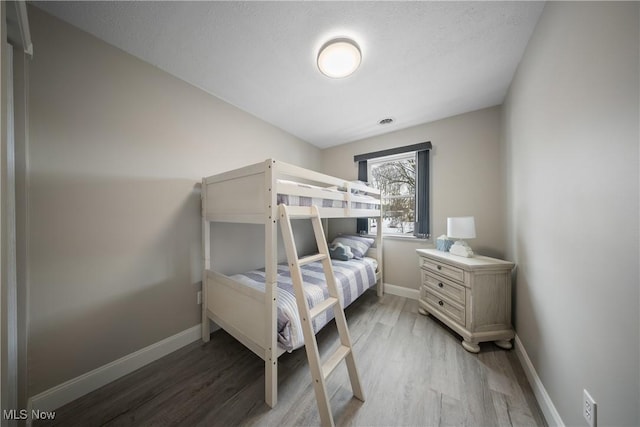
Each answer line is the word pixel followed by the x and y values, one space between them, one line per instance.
pixel 319 371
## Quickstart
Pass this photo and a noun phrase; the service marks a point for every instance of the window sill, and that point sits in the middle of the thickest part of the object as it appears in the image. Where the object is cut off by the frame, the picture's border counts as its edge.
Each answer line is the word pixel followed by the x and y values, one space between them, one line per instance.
pixel 401 237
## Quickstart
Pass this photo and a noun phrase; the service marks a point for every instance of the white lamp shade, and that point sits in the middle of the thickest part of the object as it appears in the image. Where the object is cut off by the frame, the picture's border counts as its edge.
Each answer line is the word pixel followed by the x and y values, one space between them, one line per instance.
pixel 462 227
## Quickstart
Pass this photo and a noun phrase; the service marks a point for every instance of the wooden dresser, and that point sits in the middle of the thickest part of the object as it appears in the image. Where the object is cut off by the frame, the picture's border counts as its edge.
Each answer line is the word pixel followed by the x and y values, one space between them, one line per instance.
pixel 470 295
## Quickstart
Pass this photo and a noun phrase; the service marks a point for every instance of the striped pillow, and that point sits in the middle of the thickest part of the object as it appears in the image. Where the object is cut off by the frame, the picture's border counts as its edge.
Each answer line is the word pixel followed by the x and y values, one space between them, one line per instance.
pixel 359 245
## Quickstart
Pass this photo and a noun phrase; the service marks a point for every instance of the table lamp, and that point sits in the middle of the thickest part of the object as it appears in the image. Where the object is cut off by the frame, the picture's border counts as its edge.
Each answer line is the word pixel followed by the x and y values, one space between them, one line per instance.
pixel 463 227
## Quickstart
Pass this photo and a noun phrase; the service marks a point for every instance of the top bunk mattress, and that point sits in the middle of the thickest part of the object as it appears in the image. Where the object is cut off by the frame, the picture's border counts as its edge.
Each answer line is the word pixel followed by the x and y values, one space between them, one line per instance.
pixel 353 277
pixel 326 201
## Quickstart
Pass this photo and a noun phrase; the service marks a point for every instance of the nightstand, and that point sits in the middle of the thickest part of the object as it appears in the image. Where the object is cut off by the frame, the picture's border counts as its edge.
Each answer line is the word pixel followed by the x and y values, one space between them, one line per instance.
pixel 470 295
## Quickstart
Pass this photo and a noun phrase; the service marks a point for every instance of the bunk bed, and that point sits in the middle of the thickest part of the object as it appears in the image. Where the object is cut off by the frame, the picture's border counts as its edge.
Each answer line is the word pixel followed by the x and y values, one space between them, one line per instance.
pixel 249 311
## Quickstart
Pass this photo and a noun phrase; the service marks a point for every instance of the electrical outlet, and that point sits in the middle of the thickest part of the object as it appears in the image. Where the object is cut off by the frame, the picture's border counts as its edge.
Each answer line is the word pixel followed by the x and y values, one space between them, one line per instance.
pixel 199 298
pixel 589 409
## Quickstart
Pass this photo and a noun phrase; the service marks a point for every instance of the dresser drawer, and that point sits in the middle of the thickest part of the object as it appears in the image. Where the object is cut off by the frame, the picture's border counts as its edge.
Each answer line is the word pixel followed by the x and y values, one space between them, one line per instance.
pixel 443 286
pixel 446 270
pixel 443 305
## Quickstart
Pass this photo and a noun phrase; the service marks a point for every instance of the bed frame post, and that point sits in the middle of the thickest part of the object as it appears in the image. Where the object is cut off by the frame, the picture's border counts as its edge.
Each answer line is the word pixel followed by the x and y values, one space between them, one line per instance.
pixel 379 255
pixel 206 262
pixel 271 287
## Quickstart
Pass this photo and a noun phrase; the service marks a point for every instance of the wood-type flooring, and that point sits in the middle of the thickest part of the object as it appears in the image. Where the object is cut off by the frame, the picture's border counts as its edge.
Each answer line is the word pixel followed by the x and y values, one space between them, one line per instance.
pixel 414 372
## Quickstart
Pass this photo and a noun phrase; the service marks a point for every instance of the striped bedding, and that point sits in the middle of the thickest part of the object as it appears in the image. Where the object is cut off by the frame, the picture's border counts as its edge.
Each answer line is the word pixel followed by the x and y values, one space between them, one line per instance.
pixel 291 200
pixel 353 278
pixel 294 200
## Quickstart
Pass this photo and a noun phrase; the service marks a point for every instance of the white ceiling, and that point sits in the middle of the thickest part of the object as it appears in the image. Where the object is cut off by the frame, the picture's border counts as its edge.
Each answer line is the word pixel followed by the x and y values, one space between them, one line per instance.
pixel 422 61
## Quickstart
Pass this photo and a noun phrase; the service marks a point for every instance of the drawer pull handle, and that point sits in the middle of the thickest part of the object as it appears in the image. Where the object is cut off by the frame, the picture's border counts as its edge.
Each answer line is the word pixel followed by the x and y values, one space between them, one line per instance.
pixel 440 303
pixel 440 285
pixel 439 267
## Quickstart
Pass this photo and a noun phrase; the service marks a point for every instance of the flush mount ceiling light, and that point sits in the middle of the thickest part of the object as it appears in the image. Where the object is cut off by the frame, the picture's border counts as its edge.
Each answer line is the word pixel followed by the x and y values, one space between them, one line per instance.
pixel 339 58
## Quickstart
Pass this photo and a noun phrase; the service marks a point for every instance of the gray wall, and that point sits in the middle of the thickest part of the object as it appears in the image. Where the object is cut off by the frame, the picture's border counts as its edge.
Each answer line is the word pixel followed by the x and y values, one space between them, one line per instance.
pixel 571 143
pixel 466 179
pixel 117 149
pixel 21 119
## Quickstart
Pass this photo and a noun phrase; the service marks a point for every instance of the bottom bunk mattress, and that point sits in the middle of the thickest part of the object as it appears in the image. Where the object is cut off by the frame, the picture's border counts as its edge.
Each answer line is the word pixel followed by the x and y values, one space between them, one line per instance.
pixel 353 277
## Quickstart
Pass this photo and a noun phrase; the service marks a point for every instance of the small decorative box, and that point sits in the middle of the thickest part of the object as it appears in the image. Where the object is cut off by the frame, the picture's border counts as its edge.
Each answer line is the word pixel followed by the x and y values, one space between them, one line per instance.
pixel 443 243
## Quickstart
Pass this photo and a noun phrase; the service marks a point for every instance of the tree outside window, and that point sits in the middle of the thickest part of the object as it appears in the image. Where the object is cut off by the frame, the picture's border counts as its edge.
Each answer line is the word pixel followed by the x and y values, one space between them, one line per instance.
pixel 395 177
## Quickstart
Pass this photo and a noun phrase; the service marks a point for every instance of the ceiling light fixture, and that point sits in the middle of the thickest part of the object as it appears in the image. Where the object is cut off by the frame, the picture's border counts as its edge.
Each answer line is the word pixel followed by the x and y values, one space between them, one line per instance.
pixel 339 58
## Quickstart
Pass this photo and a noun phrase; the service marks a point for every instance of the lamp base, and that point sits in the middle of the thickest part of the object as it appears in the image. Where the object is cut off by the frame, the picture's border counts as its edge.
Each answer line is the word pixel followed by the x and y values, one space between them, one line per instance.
pixel 460 248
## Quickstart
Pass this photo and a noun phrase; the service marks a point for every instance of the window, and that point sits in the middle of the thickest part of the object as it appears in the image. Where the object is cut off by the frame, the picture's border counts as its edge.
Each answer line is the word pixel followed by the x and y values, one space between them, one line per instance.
pixel 402 175
pixel 395 177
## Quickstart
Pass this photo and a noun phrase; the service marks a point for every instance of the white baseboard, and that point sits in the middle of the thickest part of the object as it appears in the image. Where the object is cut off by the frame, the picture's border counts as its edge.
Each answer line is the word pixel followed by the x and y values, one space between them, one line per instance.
pixel 77 387
pixel 401 291
pixel 548 408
